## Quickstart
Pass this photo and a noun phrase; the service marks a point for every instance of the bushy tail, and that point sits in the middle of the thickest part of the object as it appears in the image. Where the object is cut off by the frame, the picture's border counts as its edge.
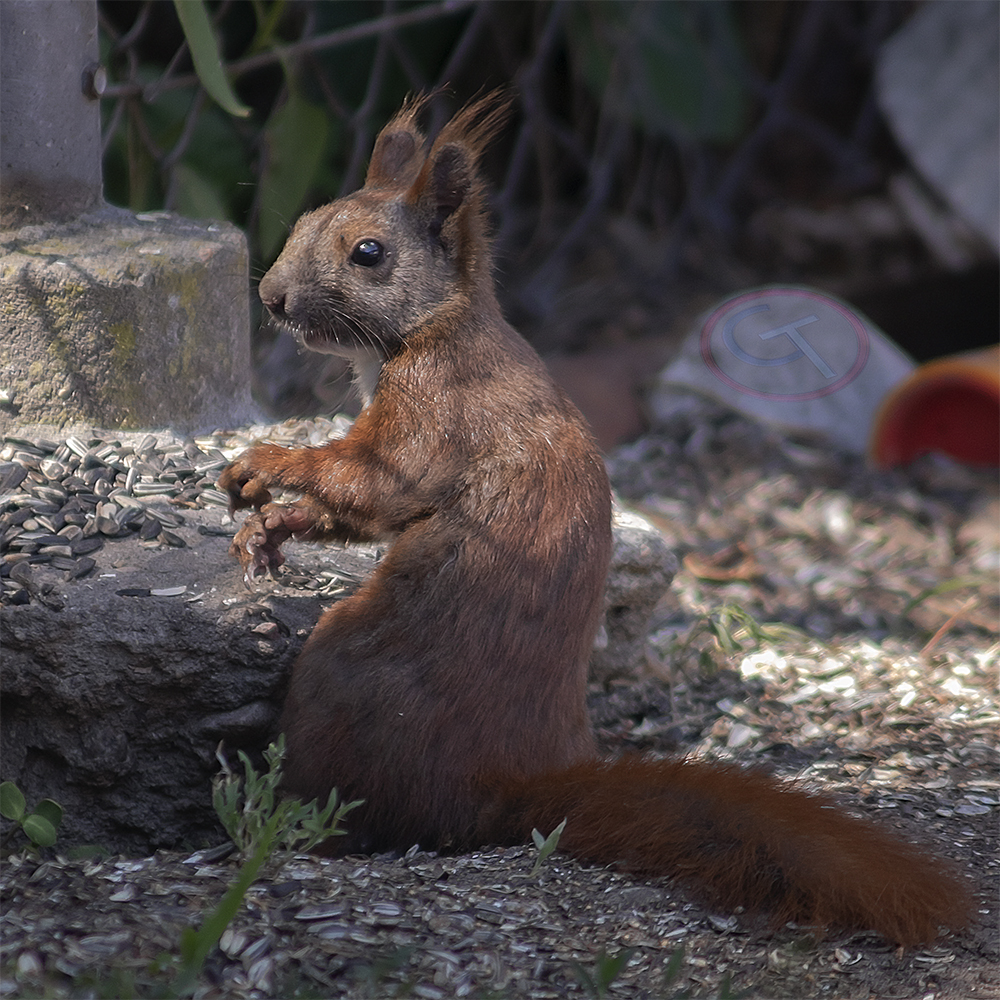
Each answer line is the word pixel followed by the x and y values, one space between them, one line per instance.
pixel 739 837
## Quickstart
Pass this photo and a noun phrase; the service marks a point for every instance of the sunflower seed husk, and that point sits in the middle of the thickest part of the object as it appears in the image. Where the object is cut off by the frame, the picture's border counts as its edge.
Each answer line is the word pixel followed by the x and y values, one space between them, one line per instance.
pixel 60 500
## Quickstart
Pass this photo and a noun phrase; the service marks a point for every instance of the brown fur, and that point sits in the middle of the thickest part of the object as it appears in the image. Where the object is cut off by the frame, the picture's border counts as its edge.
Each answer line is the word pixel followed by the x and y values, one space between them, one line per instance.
pixel 448 692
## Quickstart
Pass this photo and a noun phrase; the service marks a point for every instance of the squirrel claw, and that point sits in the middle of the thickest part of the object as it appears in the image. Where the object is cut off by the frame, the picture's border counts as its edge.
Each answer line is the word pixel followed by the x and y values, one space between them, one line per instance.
pixel 258 543
pixel 258 548
pixel 245 487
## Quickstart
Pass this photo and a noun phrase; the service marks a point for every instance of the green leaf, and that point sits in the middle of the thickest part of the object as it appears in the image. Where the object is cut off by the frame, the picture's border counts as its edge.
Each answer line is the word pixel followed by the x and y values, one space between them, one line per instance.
pixel 195 196
pixel 547 845
pixel 609 967
pixel 39 830
pixel 188 947
pixel 327 814
pixel 268 18
pixel 205 55
pixel 586 980
pixel 295 137
pixel 956 583
pixel 12 802
pixel 275 754
pixel 673 967
pixel 675 69
pixel 50 810
pixel 196 945
pixel 606 970
pixel 687 75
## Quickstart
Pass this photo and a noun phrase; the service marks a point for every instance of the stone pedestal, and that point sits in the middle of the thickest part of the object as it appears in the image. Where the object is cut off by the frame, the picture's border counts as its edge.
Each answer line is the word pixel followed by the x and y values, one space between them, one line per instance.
pixel 105 318
pixel 125 322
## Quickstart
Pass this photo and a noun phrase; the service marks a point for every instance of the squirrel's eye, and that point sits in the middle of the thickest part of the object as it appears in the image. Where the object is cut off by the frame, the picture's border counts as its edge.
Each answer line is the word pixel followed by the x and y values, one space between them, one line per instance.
pixel 367 253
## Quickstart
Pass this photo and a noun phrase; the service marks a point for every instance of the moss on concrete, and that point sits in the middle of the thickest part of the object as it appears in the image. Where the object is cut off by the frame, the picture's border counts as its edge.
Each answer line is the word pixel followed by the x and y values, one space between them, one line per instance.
pixel 125 322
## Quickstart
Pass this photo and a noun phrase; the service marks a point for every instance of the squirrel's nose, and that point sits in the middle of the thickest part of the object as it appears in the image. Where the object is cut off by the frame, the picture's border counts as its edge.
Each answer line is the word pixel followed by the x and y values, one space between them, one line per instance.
pixel 272 296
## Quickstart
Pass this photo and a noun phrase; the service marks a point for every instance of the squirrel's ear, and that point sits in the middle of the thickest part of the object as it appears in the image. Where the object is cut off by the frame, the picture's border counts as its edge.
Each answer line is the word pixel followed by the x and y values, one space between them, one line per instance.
pixel 395 159
pixel 445 183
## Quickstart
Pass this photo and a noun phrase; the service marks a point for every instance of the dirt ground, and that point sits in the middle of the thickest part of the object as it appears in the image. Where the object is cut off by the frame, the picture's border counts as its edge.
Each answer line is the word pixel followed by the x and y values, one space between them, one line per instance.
pixel 879 683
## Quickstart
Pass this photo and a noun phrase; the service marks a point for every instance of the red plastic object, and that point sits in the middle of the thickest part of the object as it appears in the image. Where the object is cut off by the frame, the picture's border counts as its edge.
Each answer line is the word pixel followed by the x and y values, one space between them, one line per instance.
pixel 951 405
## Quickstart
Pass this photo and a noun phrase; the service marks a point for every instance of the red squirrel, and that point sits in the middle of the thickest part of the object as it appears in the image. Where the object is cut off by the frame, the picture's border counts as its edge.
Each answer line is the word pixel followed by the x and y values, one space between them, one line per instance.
pixel 448 692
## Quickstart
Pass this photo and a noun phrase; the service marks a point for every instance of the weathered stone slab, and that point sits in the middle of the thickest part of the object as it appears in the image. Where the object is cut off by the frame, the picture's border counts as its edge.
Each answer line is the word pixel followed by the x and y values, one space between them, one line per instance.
pixel 113 705
pixel 114 698
pixel 642 568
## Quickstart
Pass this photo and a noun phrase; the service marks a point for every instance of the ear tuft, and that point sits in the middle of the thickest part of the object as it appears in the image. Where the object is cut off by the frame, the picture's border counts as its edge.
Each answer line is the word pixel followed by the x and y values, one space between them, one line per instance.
pixel 394 160
pixel 475 125
pixel 451 177
pixel 448 194
pixel 398 154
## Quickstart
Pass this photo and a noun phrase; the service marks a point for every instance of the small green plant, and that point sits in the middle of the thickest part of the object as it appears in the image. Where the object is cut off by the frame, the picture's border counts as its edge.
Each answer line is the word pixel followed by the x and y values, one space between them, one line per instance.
pixel 372 980
pixel 197 943
pixel 39 825
pixel 252 809
pixel 945 587
pixel 262 825
pixel 731 631
pixel 736 631
pixel 546 845
pixel 673 970
pixel 607 968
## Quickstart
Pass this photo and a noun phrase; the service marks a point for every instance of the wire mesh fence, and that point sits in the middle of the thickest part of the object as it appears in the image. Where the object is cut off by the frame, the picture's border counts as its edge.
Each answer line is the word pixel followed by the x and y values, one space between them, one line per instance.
pixel 680 117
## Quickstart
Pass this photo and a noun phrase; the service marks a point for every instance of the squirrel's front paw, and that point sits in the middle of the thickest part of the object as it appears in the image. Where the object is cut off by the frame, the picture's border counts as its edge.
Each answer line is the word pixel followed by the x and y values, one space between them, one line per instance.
pixel 257 547
pixel 246 482
pixel 258 543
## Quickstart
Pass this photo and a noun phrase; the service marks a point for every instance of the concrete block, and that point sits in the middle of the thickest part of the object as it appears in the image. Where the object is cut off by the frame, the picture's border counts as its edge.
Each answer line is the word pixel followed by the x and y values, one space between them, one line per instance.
pixel 125 322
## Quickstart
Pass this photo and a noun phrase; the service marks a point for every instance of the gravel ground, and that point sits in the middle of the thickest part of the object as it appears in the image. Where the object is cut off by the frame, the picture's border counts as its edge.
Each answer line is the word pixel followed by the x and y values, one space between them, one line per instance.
pixel 835 622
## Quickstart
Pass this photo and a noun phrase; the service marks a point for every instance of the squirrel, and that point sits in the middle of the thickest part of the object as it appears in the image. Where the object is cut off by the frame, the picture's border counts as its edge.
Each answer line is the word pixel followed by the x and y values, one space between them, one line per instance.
pixel 448 692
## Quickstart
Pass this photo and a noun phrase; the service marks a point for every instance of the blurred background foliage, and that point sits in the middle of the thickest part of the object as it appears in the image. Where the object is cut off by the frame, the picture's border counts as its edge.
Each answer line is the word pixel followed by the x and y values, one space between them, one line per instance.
pixel 649 136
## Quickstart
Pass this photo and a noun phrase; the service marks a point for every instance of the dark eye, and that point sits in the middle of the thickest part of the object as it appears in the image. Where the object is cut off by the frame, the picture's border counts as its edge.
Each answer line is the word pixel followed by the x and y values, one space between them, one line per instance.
pixel 367 253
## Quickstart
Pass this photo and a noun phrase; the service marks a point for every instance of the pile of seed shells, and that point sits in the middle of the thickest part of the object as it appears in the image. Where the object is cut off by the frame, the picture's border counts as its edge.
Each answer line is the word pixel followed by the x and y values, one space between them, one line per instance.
pixel 422 925
pixel 895 722
pixel 60 500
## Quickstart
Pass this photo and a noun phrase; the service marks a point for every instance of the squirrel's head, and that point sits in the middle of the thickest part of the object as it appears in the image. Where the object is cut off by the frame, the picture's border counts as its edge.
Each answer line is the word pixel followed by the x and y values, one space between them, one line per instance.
pixel 359 274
